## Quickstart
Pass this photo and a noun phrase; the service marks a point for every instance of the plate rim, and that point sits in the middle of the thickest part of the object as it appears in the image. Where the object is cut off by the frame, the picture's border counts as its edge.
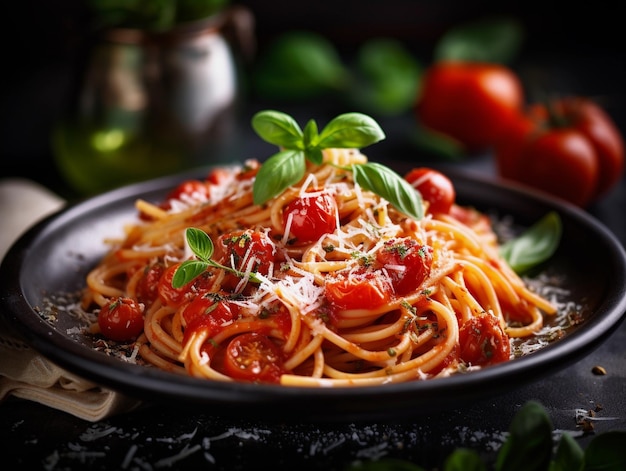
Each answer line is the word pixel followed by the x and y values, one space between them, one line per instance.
pixel 139 381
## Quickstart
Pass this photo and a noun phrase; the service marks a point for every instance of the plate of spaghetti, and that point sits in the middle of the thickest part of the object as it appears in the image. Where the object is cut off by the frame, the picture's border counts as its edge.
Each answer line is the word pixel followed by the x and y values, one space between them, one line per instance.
pixel 324 300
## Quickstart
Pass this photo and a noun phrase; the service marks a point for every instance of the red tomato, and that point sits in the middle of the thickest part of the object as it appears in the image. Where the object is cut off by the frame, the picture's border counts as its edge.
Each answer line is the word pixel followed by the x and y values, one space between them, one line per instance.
pixel 311 217
pixel 189 188
pixel 147 287
pixel 407 263
pixel 239 249
pixel 175 297
pixel 217 176
pixel 358 290
pixel 207 313
pixel 470 102
pixel 254 357
pixel 435 188
pixel 249 170
pixel 121 319
pixel 483 342
pixel 569 148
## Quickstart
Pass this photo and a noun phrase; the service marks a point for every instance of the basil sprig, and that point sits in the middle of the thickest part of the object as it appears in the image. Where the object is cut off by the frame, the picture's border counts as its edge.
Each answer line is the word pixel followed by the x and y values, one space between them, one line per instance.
pixel 535 245
pixel 349 130
pixel 202 246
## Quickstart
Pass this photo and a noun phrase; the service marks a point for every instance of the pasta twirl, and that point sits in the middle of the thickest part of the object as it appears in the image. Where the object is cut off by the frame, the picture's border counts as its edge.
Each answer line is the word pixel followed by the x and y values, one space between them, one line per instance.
pixel 325 285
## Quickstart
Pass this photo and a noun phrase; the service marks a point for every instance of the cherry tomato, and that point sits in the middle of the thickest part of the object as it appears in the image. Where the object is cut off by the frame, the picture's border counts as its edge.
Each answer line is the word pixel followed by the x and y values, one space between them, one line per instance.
pixel 207 313
pixel 121 319
pixel 189 188
pixel 175 297
pixel 568 147
pixel 249 170
pixel 310 217
pixel 254 357
pixel 147 287
pixel 407 262
pixel 217 176
pixel 435 188
pixel 239 249
pixel 468 101
pixel 362 289
pixel 483 342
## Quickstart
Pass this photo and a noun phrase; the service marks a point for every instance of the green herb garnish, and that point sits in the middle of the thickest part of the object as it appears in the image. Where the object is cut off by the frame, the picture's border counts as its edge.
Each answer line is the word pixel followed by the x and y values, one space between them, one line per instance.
pixel 151 15
pixel 349 130
pixel 535 245
pixel 202 246
pixel 529 446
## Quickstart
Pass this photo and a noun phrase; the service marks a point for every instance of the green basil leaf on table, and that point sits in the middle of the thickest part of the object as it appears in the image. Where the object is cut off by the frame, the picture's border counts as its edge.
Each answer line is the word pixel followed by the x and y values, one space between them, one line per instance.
pixel 535 245
pixel 387 77
pixel 529 444
pixel 493 39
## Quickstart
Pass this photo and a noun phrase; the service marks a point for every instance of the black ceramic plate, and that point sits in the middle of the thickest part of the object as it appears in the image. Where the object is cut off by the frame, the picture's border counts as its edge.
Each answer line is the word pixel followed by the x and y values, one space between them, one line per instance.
pixel 54 256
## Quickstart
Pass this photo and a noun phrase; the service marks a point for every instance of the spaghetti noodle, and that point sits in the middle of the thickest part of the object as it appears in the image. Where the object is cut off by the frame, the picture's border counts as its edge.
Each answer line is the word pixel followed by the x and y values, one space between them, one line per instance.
pixel 325 285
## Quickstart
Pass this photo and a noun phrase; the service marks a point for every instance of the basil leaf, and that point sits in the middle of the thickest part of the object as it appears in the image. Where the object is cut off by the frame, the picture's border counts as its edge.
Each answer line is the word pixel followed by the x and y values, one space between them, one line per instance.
pixel 278 173
pixel 315 155
pixel 569 454
pixel 464 459
pixel 188 271
pixel 439 145
pixel 300 65
pixel 199 242
pixel 311 137
pixel 535 245
pixel 389 77
pixel 350 130
pixel 606 452
pixel 529 444
pixel 279 129
pixel 496 39
pixel 389 185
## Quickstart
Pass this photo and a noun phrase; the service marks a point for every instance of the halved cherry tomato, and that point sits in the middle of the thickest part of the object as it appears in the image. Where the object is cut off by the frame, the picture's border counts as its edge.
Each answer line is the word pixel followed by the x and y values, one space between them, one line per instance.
pixel 407 262
pixel 435 187
pixel 254 357
pixel 121 319
pixel 483 342
pixel 568 147
pixel 310 217
pixel 362 289
pixel 469 101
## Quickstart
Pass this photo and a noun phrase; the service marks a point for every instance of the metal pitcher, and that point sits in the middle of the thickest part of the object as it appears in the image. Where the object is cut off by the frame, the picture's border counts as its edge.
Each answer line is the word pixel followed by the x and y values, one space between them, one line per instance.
pixel 151 104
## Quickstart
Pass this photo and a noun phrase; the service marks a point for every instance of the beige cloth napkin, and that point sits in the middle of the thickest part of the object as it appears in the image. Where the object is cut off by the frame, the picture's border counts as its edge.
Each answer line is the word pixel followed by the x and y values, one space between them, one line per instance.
pixel 24 372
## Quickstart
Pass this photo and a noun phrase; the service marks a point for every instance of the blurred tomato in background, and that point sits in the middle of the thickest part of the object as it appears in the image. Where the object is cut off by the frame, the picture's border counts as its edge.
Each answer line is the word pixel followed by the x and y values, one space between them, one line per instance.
pixel 471 102
pixel 569 147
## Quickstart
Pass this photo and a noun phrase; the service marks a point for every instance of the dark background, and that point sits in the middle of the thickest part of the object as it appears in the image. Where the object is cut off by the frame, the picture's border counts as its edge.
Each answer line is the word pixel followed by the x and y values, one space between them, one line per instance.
pixel 570 49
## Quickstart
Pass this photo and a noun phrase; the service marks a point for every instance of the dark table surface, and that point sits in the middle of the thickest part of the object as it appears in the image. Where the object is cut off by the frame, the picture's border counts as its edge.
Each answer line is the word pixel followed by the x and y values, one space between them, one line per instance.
pixel 155 436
